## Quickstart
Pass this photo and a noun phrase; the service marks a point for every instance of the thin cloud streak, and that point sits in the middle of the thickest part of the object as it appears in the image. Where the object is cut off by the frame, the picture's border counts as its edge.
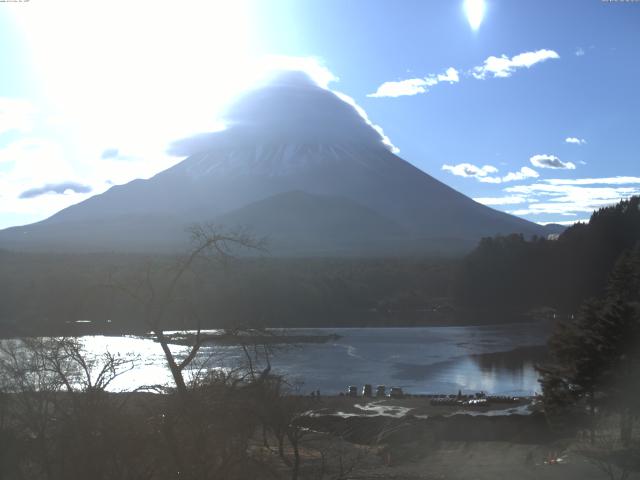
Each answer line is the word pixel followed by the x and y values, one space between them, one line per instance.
pixel 491 201
pixel 503 66
pixel 56 188
pixel 525 172
pixel 415 86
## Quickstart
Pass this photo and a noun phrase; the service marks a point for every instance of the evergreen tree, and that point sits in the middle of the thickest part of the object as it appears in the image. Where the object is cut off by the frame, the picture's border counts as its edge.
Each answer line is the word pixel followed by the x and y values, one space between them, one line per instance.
pixel 595 358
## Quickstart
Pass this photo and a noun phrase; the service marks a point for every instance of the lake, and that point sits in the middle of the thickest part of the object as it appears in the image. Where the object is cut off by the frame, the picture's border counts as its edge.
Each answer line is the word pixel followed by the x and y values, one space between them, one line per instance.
pixel 497 359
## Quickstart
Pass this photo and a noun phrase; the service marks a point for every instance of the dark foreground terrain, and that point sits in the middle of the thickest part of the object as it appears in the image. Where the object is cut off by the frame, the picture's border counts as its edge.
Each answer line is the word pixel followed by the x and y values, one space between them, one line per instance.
pixel 144 435
pixel 411 439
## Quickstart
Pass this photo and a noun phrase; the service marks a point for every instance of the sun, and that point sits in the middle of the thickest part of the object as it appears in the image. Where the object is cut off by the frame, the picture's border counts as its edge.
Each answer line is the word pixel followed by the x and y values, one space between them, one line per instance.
pixel 474 10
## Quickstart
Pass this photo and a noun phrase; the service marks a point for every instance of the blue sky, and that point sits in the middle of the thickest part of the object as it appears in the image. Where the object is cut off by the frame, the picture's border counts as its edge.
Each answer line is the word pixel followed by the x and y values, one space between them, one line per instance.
pixel 91 93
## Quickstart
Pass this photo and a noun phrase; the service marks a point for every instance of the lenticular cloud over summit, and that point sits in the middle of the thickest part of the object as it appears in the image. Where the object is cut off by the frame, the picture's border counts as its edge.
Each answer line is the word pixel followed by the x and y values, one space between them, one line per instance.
pixel 290 108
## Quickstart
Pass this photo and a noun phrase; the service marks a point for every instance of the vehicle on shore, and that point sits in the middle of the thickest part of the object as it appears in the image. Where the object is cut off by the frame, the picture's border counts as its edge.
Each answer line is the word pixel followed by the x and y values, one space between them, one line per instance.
pixel 396 392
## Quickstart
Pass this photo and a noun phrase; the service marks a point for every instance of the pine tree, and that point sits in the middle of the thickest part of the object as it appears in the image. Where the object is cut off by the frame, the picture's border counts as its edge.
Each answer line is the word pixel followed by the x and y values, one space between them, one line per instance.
pixel 595 358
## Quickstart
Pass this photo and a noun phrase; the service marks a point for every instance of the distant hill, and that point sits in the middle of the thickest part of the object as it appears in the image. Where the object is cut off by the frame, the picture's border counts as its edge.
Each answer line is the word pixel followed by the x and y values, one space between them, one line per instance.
pixel 293 219
pixel 297 164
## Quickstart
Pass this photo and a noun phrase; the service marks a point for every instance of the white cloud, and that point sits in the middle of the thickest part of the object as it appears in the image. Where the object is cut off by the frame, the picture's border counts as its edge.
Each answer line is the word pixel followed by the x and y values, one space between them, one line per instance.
pixel 15 114
pixel 565 197
pixel 580 52
pixel 415 86
pixel 470 170
pixel 500 67
pixel 483 174
pixel 575 140
pixel 509 200
pixel 567 200
pixel 525 172
pixel 504 66
pixel 411 86
pixel 489 179
pixel 550 161
pixel 451 76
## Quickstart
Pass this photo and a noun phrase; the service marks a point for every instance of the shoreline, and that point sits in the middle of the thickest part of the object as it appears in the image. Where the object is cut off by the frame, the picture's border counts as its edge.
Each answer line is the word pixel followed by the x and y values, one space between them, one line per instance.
pixel 82 330
pixel 374 319
pixel 189 339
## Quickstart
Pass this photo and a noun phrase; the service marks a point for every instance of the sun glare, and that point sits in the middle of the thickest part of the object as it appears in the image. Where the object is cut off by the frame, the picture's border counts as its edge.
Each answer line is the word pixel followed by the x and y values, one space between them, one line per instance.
pixel 139 69
pixel 474 10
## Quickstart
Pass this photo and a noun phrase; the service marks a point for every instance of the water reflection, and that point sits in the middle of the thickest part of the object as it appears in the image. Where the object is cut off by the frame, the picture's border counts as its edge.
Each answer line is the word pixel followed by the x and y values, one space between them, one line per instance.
pixel 473 373
pixel 518 365
pixel 421 360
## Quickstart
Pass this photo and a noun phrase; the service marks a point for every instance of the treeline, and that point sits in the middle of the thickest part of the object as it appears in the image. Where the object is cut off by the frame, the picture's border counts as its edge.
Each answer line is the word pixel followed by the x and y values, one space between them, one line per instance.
pixel 514 274
pixel 502 277
pixel 42 293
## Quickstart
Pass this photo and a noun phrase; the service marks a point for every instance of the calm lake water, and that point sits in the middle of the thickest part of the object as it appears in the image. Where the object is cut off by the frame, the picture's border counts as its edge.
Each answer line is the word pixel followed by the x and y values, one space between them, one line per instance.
pixel 497 359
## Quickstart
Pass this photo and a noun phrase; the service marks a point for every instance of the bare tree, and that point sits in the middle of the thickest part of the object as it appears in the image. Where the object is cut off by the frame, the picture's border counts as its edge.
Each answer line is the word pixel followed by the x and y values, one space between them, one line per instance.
pixel 172 292
pixel 208 424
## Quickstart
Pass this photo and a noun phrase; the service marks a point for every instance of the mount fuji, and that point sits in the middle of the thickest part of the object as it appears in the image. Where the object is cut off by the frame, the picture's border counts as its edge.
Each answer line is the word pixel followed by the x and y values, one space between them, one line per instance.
pixel 296 164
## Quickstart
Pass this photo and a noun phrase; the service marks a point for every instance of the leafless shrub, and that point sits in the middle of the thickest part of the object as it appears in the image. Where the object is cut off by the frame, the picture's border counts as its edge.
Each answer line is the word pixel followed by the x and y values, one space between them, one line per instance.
pixel 62 421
